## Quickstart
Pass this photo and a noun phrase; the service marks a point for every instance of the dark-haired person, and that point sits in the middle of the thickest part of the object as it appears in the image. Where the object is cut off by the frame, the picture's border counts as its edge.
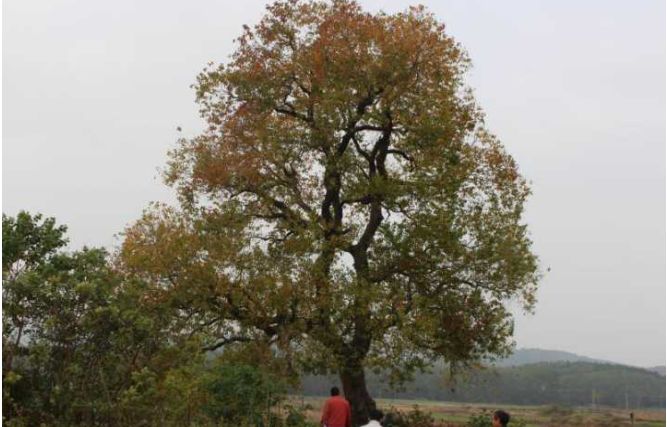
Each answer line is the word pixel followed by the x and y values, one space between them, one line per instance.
pixel 336 411
pixel 500 419
pixel 375 416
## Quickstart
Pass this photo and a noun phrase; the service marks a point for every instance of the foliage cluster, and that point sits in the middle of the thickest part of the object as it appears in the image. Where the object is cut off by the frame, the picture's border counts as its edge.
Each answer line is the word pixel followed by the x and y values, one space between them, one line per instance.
pixel 85 345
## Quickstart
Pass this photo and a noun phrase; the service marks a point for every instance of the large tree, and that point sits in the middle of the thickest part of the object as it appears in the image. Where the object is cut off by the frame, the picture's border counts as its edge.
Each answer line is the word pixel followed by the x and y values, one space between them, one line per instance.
pixel 345 204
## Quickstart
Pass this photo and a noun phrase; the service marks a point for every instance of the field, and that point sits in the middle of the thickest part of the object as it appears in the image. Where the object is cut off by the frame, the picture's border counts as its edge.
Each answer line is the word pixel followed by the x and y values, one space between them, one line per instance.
pixel 457 414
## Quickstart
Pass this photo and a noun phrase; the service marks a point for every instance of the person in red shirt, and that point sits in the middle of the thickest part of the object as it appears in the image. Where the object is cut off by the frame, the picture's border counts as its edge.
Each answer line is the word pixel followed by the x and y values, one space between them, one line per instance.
pixel 336 411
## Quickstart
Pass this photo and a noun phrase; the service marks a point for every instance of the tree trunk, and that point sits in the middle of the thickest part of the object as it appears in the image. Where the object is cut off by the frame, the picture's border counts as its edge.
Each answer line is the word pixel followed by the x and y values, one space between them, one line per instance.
pixel 354 388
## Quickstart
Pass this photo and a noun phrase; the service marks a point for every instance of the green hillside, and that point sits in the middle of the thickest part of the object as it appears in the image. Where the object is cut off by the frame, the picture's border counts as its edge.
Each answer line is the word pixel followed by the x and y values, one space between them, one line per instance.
pixel 561 383
pixel 524 356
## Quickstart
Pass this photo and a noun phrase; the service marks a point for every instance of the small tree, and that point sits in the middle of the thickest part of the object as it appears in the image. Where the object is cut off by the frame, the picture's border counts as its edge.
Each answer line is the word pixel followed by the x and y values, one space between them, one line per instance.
pixel 345 204
pixel 75 334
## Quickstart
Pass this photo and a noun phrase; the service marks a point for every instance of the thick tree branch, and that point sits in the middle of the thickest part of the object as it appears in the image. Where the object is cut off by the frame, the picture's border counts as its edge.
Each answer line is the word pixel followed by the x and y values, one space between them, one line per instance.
pixel 378 155
pixel 292 113
pixel 225 341
pixel 402 154
pixel 360 110
pixel 364 200
pixel 360 150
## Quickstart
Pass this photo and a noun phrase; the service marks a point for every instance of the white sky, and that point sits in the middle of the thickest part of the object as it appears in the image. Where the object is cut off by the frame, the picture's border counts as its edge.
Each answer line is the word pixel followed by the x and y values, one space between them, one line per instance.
pixel 93 92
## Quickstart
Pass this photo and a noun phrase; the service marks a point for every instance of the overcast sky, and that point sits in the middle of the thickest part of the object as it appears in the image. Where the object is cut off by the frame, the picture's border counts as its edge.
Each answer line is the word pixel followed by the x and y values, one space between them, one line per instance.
pixel 93 92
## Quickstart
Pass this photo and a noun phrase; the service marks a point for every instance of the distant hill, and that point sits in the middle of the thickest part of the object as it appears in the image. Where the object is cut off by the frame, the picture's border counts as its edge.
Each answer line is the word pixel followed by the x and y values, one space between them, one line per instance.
pixel 660 370
pixel 524 356
pixel 529 377
pixel 562 383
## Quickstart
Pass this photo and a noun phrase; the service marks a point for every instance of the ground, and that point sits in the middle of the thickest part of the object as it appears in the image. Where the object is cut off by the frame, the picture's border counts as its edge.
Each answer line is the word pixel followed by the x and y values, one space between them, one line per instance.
pixel 453 414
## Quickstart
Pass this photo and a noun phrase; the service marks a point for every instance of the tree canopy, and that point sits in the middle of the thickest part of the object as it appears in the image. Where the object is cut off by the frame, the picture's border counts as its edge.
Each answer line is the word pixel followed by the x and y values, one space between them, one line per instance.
pixel 346 204
pixel 86 345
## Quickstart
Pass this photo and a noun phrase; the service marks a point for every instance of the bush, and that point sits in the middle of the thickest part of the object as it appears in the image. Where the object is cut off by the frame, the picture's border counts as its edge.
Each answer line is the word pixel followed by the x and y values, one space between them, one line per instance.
pixel 296 417
pixel 484 420
pixel 414 418
pixel 479 420
pixel 240 393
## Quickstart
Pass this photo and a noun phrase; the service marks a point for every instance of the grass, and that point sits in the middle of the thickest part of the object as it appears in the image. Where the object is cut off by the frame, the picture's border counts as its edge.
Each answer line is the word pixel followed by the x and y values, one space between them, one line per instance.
pixel 534 416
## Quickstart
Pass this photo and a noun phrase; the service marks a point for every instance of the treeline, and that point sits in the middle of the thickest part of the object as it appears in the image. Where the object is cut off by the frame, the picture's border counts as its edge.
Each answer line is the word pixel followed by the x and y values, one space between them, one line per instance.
pixel 562 383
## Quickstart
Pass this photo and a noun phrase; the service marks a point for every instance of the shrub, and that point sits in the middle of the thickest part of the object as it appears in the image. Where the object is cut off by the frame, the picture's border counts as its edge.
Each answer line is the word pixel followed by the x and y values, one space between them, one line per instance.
pixel 479 420
pixel 414 418
pixel 240 393
pixel 484 420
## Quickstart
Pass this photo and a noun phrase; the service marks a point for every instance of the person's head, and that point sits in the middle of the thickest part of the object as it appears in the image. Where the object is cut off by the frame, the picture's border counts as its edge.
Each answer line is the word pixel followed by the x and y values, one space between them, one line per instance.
pixel 375 414
pixel 335 391
pixel 500 418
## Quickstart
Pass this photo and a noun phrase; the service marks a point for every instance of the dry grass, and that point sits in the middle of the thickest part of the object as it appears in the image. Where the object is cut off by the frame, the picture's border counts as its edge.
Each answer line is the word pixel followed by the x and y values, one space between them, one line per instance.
pixel 453 413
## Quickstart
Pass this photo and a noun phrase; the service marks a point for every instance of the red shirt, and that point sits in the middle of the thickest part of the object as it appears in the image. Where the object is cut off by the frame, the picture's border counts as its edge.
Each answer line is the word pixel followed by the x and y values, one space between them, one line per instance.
pixel 336 412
